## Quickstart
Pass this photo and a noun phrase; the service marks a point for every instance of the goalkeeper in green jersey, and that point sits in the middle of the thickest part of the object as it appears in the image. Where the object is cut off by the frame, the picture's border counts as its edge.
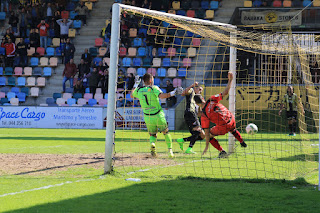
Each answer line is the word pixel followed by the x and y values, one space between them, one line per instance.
pixel 154 117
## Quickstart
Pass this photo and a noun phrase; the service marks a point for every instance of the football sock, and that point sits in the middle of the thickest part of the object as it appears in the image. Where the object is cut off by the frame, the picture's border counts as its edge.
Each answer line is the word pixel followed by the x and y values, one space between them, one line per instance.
pixel 168 140
pixel 216 144
pixel 237 135
pixel 152 139
pixel 194 137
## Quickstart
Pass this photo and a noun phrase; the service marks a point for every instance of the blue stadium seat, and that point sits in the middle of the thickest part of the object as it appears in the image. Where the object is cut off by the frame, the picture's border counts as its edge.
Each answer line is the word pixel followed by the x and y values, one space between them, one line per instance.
pixel 141 71
pixel 137 62
pixel 142 30
pixel 205 5
pixel 162 52
pixel 93 51
pixel 21 81
pixel 34 62
pixel 106 96
pixel 137 42
pixel 5 89
pixel 50 101
pixel 47 71
pixel 187 41
pixel 11 95
pixel 49 41
pixel 141 52
pixel 214 5
pixel 87 90
pixel 2 16
pixel 147 62
pixel 77 24
pixel 126 62
pixel 161 72
pixel 1 70
pixel 11 81
pixel 58 51
pixel 37 71
pixel 96 61
pixel 182 72
pixel 128 98
pixel 25 90
pixel 70 6
pixel 51 33
pixel 164 90
pixel 175 62
pixel 50 51
pixel 71 101
pixel 177 41
pixel 56 95
pixel 305 3
pixel 4 101
pixel 2 51
pixel 181 51
pixel 73 14
pixel 8 71
pixel 21 96
pixel 189 34
pixel 181 13
pixel 92 102
pixel 16 90
pixel 77 95
pixel 157 81
pixel 257 3
pixel 166 62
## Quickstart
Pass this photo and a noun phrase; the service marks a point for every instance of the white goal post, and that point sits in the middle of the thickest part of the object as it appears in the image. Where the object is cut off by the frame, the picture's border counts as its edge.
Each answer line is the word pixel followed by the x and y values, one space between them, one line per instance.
pixel 114 61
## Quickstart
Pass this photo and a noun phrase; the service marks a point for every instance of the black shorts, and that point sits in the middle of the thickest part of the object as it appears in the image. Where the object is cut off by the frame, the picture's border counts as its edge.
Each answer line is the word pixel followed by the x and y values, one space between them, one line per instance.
pixel 191 119
pixel 292 115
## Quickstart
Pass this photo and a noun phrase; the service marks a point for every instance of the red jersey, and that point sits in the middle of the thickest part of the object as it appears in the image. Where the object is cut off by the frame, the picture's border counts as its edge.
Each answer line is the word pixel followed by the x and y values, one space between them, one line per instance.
pixel 215 112
pixel 43 29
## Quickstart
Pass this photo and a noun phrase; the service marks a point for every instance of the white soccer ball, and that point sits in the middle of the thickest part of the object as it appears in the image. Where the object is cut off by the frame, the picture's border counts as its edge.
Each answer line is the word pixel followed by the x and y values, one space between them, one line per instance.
pixel 251 129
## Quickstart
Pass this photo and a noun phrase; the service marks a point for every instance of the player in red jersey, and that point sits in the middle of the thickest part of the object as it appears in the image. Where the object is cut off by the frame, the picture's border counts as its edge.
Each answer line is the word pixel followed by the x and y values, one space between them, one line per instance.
pixel 215 112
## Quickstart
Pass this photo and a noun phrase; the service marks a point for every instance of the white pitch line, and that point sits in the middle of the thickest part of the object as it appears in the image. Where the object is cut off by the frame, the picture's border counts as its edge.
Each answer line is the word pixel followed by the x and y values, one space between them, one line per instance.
pixel 30 147
pixel 49 186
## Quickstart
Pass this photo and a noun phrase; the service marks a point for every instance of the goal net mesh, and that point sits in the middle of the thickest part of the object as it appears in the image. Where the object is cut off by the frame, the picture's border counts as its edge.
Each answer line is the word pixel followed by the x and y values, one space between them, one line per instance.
pixel 185 50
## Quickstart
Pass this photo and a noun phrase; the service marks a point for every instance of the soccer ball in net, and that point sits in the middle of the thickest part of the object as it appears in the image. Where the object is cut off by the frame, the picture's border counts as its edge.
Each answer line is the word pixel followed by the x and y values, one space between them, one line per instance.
pixel 251 129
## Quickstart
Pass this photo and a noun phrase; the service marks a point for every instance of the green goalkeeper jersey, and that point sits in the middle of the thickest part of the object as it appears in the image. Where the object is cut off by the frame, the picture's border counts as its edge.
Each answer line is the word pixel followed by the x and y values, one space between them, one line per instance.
pixel 149 99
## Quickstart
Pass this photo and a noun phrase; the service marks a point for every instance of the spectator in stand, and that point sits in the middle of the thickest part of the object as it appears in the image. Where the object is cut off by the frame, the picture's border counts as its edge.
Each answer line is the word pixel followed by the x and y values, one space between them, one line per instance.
pixel 124 26
pixel 43 28
pixel 13 21
pixel 35 14
pixel 23 22
pixel 146 4
pixel 83 69
pixel 149 45
pixel 82 11
pixel 101 68
pixel 94 78
pixel 68 74
pixel 4 5
pixel 22 53
pixel 172 100
pixel 50 12
pixel 105 82
pixel 56 27
pixel 34 38
pixel 121 79
pixel 120 102
pixel 125 39
pixel 9 35
pixel 79 88
pixel 10 52
pixel 69 51
pixel 64 27
pixel 86 56
pixel 130 81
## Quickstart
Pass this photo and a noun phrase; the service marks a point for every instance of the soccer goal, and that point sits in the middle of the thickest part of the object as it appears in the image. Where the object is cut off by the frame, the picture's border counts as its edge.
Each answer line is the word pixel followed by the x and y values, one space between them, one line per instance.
pixel 180 50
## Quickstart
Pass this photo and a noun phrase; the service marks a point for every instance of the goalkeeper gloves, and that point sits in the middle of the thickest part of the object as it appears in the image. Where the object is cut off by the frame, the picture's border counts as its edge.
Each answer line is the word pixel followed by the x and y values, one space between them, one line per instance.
pixel 137 81
pixel 177 91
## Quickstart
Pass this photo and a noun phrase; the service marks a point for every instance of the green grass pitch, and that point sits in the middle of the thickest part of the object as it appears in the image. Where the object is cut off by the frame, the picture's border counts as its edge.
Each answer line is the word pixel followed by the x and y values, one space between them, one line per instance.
pixel 51 170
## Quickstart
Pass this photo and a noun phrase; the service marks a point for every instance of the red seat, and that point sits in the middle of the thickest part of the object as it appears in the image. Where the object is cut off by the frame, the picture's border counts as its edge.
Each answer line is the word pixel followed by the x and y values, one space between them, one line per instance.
pixel 191 13
pixel 177 82
pixel 98 42
pixel 196 41
pixel 277 3
pixel 41 51
pixel 65 14
pixel 122 51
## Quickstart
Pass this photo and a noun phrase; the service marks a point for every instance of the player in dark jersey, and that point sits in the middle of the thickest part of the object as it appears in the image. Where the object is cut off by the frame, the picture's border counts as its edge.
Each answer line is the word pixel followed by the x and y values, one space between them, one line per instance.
pixel 215 112
pixel 291 102
pixel 191 117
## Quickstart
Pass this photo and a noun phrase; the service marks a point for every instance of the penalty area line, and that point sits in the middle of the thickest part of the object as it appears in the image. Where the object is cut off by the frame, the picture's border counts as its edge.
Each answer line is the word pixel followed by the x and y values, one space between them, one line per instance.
pixel 50 186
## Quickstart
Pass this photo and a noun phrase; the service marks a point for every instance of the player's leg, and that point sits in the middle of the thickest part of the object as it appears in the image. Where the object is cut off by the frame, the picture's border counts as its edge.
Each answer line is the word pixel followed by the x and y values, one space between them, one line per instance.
pixel 215 131
pixel 152 129
pixel 197 133
pixel 290 122
pixel 163 127
pixel 294 123
pixel 237 135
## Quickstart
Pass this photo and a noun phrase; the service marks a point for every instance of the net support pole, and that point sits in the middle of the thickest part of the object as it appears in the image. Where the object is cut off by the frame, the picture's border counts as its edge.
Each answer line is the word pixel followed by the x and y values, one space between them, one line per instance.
pixel 113 76
pixel 232 92
pixel 319 149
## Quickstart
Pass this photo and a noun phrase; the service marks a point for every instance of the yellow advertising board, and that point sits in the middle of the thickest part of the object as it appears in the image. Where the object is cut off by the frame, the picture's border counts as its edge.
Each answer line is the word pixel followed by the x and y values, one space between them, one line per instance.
pixel 267 97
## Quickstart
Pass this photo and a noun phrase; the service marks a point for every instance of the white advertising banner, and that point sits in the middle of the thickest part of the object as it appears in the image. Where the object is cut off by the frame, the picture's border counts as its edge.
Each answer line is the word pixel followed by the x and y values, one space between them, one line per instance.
pixel 132 118
pixel 265 17
pixel 51 117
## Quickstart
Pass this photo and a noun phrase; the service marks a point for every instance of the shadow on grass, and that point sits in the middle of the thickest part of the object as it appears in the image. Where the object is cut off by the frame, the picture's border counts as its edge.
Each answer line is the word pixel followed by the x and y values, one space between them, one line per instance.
pixel 301 157
pixel 189 194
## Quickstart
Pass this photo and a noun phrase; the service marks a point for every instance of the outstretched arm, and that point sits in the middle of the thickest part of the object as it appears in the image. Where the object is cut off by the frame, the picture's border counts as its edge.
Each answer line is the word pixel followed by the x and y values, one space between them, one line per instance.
pixel 186 91
pixel 226 90
pixel 207 136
